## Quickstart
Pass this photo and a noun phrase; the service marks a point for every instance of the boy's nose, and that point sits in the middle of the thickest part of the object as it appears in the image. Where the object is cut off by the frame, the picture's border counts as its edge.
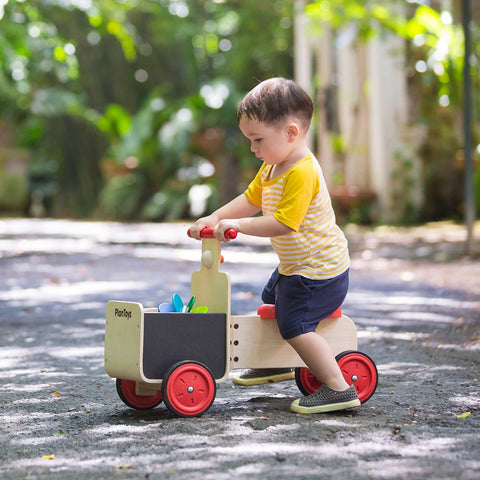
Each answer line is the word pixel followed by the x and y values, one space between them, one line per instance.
pixel 252 148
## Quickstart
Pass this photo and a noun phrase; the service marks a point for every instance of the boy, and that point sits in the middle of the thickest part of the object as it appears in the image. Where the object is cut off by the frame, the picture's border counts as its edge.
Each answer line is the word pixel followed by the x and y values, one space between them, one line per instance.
pixel 311 280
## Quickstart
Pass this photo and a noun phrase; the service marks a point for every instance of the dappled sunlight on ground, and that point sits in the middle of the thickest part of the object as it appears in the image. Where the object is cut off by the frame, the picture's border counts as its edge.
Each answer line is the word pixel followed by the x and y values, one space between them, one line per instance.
pixel 61 416
pixel 68 292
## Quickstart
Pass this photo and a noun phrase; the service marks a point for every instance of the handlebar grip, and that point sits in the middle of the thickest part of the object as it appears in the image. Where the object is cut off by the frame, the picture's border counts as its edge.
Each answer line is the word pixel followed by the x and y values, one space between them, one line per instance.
pixel 231 234
pixel 207 232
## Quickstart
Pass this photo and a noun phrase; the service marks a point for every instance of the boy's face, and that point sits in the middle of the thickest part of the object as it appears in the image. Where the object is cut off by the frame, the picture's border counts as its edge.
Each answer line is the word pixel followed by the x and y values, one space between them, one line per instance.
pixel 269 143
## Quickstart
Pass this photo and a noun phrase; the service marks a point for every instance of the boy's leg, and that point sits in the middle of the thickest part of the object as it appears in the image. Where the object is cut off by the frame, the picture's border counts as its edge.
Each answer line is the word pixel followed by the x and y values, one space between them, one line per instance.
pixel 335 393
pixel 314 350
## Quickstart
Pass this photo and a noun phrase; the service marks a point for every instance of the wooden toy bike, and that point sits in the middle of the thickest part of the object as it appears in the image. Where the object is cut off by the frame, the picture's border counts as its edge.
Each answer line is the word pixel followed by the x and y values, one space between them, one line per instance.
pixel 179 357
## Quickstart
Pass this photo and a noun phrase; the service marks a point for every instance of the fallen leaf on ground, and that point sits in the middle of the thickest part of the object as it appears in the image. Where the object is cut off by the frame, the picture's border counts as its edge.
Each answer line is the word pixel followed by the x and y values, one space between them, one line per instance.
pixel 48 457
pixel 464 415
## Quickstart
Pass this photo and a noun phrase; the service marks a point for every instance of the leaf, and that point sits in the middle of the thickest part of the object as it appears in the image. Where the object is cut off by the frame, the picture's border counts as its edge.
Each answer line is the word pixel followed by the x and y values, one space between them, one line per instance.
pixel 56 394
pixel 54 101
pixel 48 457
pixel 124 466
pixel 464 415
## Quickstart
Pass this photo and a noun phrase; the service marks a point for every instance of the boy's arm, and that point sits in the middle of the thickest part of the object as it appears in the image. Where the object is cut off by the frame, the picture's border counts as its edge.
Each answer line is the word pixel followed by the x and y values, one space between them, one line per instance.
pixel 237 208
pixel 264 226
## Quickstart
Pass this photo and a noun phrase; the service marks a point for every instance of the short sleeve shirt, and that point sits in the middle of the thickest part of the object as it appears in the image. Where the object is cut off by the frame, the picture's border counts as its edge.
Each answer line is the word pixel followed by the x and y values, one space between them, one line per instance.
pixel 316 248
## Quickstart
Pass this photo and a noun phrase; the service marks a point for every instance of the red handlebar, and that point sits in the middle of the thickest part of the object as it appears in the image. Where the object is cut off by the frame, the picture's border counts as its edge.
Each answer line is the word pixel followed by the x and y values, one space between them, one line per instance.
pixel 207 232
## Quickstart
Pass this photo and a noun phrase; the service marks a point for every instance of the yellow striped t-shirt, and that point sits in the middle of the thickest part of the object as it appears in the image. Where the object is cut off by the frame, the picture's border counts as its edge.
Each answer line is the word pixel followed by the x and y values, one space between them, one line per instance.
pixel 299 198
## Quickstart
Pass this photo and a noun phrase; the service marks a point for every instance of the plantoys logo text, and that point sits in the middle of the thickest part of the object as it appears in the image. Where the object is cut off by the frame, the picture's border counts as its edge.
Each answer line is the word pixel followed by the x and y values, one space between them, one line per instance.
pixel 123 312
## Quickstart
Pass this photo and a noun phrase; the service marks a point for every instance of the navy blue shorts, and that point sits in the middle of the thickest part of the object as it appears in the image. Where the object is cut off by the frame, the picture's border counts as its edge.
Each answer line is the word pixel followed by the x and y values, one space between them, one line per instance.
pixel 300 303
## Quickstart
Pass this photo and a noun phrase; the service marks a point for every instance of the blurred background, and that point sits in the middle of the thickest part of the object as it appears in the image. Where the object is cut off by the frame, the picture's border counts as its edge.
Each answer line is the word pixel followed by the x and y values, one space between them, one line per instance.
pixel 126 110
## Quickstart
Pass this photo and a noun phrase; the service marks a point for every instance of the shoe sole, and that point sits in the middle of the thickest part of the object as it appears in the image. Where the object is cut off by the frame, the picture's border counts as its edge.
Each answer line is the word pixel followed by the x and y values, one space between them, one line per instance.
pixel 247 382
pixel 331 407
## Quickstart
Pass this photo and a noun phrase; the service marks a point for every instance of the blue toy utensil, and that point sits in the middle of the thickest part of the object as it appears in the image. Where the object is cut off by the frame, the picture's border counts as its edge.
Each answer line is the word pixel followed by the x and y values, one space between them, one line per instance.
pixel 166 308
pixel 177 303
pixel 177 306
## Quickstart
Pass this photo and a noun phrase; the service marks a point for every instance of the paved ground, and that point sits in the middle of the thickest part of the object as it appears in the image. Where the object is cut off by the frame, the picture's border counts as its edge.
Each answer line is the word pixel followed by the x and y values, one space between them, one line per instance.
pixel 414 297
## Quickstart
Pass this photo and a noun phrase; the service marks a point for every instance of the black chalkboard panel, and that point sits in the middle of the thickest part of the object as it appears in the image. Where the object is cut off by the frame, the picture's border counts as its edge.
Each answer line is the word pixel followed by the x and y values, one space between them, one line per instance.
pixel 172 337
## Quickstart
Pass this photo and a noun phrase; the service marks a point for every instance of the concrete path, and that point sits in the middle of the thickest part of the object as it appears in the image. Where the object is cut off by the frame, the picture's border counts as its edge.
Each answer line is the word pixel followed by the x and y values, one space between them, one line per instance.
pixel 61 417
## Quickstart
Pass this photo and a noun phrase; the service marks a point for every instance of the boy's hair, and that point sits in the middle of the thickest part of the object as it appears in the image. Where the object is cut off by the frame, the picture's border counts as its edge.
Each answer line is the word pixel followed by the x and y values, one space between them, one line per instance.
pixel 273 101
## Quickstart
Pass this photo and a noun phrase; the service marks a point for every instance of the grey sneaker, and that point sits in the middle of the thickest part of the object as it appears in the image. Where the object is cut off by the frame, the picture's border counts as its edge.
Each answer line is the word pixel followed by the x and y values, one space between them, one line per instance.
pixel 259 376
pixel 326 400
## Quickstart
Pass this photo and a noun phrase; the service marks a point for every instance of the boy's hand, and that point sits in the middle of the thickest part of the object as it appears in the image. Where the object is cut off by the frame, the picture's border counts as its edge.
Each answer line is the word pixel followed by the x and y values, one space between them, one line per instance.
pixel 222 227
pixel 200 224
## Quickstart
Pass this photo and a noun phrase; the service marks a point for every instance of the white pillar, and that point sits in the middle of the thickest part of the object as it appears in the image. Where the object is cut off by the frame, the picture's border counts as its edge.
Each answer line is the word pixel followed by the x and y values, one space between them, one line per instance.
pixel 302 50
pixel 324 72
pixel 302 54
pixel 388 107
pixel 353 108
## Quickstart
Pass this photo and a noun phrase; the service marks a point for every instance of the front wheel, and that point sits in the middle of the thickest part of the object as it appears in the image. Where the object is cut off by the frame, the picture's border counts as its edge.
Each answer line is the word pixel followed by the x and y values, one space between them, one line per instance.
pixel 357 368
pixel 126 390
pixel 189 389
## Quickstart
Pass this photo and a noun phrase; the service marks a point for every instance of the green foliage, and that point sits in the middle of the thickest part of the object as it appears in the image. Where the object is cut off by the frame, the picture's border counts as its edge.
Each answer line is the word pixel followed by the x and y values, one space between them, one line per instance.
pixel 42 176
pixel 404 182
pixel 152 87
pixel 121 197
pixel 366 15
pixel 436 55
pixel 13 193
pixel 115 122
pixel 476 183
pixel 147 76
pixel 167 205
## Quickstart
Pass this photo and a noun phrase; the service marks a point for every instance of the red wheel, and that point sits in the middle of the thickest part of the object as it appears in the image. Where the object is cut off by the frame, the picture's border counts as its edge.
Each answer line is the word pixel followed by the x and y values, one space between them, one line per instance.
pixel 188 389
pixel 357 368
pixel 126 391
pixel 360 370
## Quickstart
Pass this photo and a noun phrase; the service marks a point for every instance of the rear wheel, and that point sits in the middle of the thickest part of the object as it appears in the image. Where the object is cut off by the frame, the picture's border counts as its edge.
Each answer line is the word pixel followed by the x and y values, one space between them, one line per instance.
pixel 189 389
pixel 360 370
pixel 357 368
pixel 126 391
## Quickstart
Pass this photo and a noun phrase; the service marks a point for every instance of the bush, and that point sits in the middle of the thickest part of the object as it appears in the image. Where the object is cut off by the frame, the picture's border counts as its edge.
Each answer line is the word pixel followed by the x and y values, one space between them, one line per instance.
pixel 121 197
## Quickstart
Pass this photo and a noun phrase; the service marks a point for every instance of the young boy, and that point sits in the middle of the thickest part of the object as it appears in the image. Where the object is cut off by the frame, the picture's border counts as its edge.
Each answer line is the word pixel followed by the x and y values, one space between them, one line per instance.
pixel 311 280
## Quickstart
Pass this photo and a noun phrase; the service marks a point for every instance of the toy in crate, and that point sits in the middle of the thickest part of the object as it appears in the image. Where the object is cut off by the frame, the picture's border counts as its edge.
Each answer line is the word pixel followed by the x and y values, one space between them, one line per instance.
pixel 178 357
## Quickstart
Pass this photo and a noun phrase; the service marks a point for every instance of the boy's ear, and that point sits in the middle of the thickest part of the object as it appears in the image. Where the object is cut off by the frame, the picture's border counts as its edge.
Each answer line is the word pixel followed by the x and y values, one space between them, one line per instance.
pixel 293 131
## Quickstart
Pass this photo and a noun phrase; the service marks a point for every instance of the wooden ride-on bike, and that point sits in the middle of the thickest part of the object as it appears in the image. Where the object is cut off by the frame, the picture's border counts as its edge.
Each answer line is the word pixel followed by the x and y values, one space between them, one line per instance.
pixel 178 358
